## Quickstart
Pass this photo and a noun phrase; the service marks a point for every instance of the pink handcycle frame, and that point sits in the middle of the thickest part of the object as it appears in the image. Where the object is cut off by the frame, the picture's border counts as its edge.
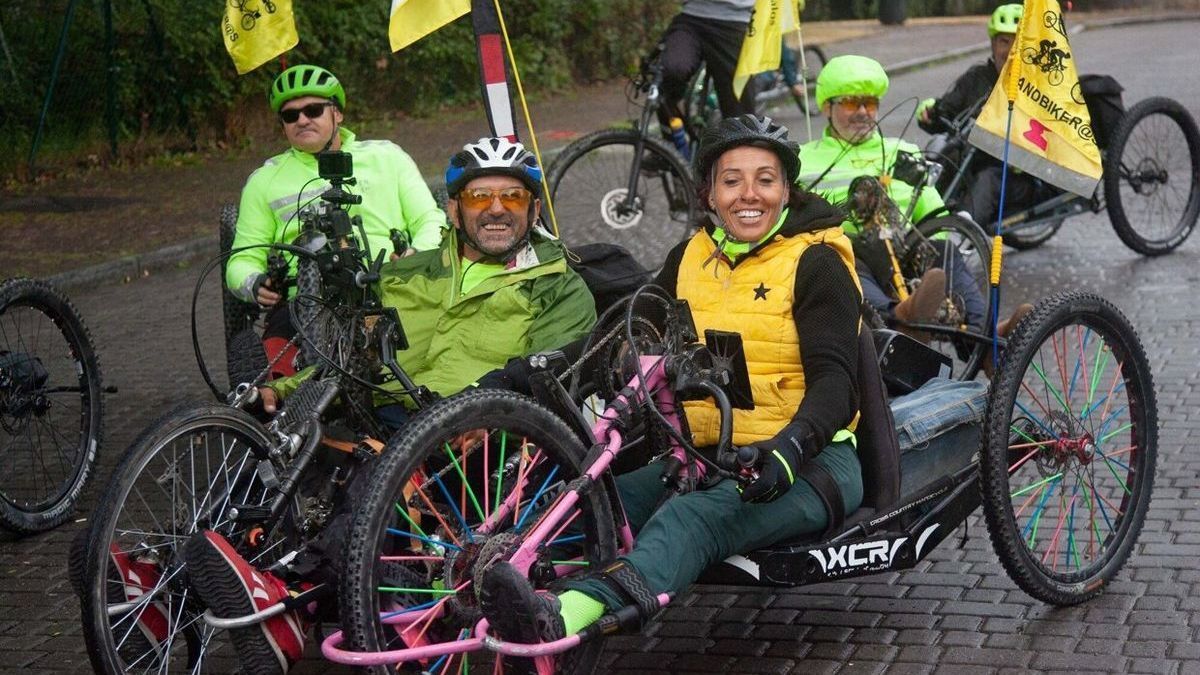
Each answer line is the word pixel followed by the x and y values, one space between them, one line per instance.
pixel 548 527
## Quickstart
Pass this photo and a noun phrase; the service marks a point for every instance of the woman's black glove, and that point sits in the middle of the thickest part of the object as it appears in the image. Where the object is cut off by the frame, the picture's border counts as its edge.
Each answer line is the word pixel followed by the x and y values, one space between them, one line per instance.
pixel 779 464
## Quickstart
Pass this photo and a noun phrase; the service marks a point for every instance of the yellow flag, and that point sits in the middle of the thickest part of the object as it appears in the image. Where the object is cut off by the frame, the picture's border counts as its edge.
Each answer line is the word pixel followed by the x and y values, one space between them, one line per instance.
pixel 414 19
pixel 1051 135
pixel 257 31
pixel 764 37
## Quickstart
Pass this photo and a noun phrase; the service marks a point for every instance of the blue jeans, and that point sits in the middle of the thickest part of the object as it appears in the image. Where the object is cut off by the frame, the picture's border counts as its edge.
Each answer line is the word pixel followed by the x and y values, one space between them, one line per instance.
pixel 939 429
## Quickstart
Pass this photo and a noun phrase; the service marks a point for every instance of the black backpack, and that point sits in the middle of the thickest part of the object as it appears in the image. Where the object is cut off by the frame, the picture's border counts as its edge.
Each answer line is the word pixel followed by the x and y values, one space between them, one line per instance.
pixel 1102 94
pixel 609 271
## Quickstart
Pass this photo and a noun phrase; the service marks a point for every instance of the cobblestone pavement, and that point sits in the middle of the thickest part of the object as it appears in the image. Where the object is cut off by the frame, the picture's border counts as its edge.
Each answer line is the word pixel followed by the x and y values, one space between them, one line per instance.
pixel 956 612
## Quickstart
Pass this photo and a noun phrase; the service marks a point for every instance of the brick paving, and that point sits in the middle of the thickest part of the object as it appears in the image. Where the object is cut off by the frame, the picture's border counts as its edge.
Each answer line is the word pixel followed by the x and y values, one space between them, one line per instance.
pixel 956 612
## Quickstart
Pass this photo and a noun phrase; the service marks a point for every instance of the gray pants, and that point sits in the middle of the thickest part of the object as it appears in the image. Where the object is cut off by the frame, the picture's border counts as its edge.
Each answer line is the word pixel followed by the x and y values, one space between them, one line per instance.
pixel 984 198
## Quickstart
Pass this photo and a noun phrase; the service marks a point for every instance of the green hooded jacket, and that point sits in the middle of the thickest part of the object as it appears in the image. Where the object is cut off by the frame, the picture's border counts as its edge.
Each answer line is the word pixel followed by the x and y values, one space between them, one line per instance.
pixel 394 196
pixel 868 158
pixel 454 338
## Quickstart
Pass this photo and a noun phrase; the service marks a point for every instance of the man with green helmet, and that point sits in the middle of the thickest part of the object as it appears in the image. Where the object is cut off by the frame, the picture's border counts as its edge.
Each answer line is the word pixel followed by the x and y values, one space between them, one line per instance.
pixel 848 92
pixel 310 102
pixel 966 96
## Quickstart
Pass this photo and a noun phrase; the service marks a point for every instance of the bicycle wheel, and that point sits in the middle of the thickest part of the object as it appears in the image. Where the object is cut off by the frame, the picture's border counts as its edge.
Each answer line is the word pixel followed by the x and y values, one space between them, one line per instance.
pixel 811 65
pixel 238 315
pixel 436 516
pixel 186 472
pixel 590 183
pixel 51 418
pixel 1152 176
pixel 1032 237
pixel 932 243
pixel 700 103
pixel 1068 462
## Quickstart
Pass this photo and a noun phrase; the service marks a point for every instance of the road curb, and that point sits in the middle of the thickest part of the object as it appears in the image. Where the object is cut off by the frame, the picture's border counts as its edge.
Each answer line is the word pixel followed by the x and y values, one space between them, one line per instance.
pixel 138 265
pixel 134 266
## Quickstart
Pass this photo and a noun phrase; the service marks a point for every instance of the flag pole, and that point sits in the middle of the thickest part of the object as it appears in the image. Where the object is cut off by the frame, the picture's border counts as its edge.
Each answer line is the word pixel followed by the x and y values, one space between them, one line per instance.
pixel 528 118
pixel 804 78
pixel 1010 92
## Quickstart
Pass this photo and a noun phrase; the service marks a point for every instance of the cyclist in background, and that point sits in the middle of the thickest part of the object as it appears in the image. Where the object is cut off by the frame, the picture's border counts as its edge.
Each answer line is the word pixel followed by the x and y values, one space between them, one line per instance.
pixel 310 101
pixel 969 92
pixel 848 92
pixel 708 32
pixel 496 289
pixel 771 263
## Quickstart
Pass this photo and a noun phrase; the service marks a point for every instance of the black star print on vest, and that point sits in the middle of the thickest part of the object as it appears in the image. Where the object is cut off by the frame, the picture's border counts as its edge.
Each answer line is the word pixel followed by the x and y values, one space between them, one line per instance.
pixel 760 293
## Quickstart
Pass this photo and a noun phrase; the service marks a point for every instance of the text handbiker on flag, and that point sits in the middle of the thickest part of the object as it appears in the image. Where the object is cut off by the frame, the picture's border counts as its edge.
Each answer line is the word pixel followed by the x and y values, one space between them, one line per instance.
pixel 256 31
pixel 1051 135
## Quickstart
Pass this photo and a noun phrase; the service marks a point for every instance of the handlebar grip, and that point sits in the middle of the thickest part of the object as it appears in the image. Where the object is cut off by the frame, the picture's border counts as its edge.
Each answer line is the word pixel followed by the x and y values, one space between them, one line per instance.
pixel 670 470
pixel 399 241
pixel 747 456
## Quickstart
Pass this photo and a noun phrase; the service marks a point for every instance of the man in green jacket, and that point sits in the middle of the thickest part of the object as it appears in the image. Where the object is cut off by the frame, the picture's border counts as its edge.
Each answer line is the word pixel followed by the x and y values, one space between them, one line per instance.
pixel 848 92
pixel 310 102
pixel 497 288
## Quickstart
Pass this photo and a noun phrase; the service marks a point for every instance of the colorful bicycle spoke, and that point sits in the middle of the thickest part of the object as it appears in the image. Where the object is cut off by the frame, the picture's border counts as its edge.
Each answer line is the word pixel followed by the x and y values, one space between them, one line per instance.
pixel 468 503
pixel 1072 451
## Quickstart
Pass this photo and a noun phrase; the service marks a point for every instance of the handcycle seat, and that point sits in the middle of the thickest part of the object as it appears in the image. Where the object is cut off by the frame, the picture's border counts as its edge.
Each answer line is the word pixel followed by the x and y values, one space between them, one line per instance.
pixel 878 446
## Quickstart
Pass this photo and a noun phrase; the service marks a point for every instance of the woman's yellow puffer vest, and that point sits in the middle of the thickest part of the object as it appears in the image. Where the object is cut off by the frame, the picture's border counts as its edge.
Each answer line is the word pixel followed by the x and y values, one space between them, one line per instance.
pixel 753 298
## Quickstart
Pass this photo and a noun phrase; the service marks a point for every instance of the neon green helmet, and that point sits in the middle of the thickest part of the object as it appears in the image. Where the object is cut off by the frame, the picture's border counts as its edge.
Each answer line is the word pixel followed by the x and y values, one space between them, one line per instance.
pixel 306 80
pixel 851 76
pixel 1005 19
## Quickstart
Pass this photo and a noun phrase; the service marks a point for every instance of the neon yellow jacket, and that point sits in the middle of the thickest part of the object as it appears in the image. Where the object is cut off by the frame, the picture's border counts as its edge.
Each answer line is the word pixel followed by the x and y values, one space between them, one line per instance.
pixel 394 196
pixel 868 158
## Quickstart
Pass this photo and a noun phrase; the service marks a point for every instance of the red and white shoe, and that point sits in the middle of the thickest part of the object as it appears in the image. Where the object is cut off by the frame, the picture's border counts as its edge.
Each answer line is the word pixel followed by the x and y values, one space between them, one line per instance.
pixel 231 587
pixel 129 580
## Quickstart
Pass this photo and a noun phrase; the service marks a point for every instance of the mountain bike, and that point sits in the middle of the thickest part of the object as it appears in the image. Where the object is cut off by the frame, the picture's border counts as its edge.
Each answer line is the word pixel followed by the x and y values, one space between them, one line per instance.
pixel 796 67
pixel 269 488
pixel 1150 185
pixel 628 186
pixel 51 406
pixel 1064 477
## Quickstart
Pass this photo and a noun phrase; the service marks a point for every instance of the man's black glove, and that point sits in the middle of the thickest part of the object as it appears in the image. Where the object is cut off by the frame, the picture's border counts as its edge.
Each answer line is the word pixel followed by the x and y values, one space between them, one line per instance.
pixel 779 464
pixel 514 376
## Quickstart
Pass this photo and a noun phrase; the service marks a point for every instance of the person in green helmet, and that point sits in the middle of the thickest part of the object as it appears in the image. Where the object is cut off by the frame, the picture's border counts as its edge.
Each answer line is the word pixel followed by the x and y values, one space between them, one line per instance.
pixel 966 96
pixel 848 92
pixel 310 103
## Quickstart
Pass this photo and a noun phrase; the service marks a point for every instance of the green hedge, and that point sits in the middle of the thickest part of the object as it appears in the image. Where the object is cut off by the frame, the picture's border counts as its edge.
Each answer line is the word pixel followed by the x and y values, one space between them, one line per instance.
pixel 174 77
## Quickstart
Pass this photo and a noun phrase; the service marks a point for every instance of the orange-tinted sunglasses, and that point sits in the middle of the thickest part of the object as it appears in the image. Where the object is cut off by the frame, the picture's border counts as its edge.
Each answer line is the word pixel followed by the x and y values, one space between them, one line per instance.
pixel 510 198
pixel 850 104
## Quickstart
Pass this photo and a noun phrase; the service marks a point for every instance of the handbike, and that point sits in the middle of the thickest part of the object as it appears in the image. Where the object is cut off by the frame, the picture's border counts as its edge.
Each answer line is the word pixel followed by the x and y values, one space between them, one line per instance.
pixel 1150 185
pixel 900 252
pixel 51 406
pixel 1064 477
pixel 270 489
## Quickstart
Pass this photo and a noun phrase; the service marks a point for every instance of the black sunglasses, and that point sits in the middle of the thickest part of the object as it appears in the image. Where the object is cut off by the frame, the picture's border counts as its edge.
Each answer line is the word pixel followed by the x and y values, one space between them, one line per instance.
pixel 312 111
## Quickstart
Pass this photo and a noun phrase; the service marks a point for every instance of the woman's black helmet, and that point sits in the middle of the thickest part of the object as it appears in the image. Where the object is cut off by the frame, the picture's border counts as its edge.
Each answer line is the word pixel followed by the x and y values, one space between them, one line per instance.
pixel 732 132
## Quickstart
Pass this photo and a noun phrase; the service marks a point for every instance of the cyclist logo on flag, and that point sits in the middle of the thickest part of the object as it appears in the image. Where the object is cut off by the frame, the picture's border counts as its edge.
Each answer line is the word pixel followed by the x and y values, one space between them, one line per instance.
pixel 1049 58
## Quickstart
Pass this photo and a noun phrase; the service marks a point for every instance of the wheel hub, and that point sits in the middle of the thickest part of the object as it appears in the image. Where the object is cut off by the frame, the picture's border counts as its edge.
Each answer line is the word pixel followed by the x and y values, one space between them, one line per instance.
pixel 1148 177
pixel 617 213
pixel 1070 441
pixel 469 564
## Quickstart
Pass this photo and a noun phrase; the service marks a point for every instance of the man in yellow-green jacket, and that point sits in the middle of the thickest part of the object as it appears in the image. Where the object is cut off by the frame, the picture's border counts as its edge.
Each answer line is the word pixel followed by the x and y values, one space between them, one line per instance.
pixel 310 101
